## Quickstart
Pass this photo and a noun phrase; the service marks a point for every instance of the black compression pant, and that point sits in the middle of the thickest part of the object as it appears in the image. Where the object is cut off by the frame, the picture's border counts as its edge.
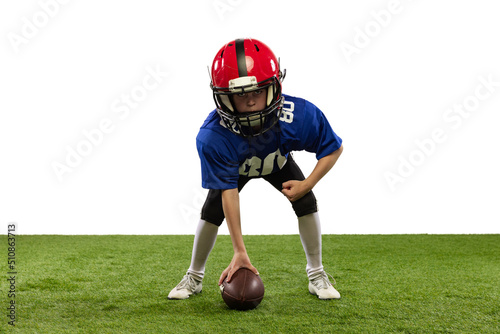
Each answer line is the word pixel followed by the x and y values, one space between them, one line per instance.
pixel 212 211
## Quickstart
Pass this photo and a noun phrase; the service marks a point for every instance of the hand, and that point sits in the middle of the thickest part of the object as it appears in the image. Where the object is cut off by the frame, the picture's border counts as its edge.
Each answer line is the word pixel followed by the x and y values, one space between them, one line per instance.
pixel 240 260
pixel 294 190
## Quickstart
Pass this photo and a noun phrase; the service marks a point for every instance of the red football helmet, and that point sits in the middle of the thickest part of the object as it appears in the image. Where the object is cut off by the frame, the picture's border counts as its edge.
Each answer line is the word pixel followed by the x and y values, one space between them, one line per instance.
pixel 242 66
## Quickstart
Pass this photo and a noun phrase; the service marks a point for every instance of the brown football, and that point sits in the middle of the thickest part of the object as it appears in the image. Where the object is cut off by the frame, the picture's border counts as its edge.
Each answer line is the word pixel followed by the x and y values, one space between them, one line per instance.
pixel 244 292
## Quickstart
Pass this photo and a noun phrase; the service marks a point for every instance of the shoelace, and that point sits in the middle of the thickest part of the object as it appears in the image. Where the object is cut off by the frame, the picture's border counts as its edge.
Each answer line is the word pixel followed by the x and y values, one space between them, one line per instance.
pixel 188 282
pixel 321 281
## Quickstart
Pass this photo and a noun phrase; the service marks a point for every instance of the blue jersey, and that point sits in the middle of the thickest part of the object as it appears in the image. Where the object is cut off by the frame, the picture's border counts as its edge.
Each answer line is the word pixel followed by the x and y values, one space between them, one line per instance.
pixel 225 156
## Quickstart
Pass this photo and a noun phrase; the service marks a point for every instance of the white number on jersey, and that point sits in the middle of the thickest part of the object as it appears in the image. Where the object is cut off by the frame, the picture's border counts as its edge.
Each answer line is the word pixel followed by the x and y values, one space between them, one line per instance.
pixel 254 163
pixel 287 113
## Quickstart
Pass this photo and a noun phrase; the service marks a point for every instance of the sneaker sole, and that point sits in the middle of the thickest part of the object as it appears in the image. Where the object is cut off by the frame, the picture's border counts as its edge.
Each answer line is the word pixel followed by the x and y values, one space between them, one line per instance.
pixel 169 298
pixel 323 298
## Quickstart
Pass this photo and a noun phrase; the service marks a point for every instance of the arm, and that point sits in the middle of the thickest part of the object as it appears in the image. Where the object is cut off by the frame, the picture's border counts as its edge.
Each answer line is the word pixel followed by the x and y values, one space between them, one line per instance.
pixel 294 189
pixel 231 207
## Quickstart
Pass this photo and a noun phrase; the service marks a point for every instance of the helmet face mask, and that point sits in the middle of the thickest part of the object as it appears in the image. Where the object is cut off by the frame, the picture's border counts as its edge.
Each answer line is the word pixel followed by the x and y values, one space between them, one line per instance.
pixel 243 66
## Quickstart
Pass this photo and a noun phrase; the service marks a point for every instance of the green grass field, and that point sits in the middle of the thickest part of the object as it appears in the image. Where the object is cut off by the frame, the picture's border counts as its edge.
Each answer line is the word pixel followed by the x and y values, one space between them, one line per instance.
pixel 389 284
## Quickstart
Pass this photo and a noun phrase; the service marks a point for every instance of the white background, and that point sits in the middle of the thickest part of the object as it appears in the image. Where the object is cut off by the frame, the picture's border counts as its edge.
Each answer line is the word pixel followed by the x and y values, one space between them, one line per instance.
pixel 143 177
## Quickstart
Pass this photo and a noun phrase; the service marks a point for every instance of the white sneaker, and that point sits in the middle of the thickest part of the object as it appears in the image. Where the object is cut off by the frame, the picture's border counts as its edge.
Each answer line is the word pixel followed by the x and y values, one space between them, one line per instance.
pixel 190 285
pixel 320 286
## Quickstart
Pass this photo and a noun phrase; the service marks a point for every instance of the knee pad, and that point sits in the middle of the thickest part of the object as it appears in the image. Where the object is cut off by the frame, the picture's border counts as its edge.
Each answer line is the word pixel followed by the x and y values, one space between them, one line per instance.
pixel 305 205
pixel 212 211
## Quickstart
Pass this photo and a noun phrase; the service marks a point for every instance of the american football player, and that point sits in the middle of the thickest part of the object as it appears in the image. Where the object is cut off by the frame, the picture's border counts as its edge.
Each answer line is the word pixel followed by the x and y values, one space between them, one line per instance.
pixel 251 134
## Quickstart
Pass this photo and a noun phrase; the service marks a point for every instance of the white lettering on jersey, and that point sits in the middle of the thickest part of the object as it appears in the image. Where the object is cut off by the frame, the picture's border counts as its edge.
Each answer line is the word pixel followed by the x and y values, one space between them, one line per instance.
pixel 287 113
pixel 251 165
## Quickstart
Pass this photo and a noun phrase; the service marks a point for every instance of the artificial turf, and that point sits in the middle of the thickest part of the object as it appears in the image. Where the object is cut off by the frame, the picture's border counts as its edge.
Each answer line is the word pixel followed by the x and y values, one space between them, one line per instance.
pixel 388 283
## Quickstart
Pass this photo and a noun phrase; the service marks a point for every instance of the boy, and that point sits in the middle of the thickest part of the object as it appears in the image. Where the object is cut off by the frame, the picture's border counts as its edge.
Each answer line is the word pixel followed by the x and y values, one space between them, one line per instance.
pixel 250 134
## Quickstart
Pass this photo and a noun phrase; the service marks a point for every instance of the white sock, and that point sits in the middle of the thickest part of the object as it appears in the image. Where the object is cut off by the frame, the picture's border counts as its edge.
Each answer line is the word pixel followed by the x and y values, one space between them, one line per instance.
pixel 310 235
pixel 204 241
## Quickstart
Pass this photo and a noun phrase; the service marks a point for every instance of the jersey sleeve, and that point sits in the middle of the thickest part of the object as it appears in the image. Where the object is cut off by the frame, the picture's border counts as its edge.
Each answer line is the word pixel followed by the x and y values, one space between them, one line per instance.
pixel 317 134
pixel 219 167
